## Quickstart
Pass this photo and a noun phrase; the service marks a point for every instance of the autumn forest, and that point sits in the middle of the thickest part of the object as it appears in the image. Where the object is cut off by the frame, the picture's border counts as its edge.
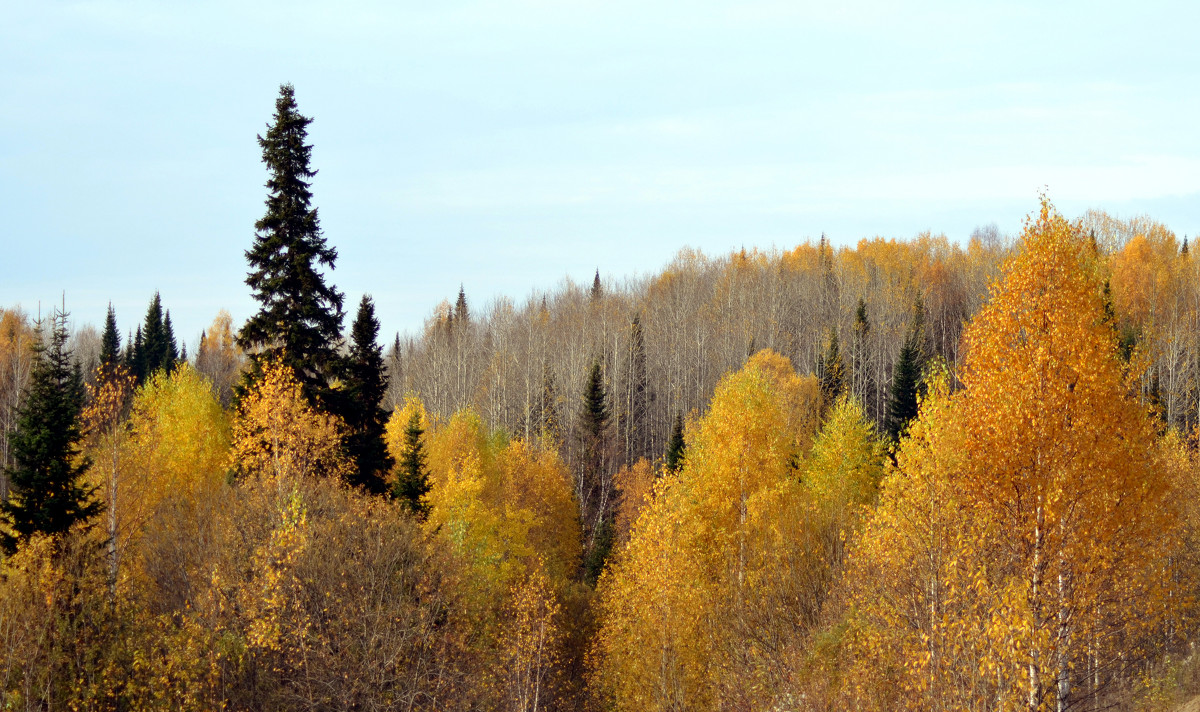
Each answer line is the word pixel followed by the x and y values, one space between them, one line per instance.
pixel 916 474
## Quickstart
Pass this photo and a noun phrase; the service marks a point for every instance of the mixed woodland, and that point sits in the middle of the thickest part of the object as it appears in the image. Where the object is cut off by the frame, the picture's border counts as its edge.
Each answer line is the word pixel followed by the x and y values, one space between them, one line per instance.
pixel 916 474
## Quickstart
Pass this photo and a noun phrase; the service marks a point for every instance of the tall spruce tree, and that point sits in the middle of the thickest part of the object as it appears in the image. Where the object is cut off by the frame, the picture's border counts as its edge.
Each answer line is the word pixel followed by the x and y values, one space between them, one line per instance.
pixel 110 340
pixel 299 321
pixel 137 356
pixel 171 350
pixel 636 396
pixel 831 371
pixel 595 489
pixel 154 340
pixel 364 387
pixel 907 375
pixel 412 478
pixel 676 447
pixel 48 494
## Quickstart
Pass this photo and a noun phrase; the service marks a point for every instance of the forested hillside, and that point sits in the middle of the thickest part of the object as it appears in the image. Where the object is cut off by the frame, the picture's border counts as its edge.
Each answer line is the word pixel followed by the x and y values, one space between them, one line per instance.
pixel 906 474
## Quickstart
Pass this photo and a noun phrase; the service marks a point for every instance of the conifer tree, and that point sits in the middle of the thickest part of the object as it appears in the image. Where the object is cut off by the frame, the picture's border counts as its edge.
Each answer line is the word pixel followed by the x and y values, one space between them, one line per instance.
pixel 595 490
pixel 137 356
pixel 412 477
pixel 862 329
pixel 831 370
pixel 907 376
pixel 548 422
pixel 300 316
pixel 48 493
pixel 636 396
pixel 110 340
pixel 155 348
pixel 597 287
pixel 461 313
pixel 364 387
pixel 676 446
pixel 171 346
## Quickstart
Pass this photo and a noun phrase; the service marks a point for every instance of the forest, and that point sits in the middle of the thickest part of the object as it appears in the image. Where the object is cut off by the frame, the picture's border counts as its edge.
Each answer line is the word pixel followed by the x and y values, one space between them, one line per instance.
pixel 905 474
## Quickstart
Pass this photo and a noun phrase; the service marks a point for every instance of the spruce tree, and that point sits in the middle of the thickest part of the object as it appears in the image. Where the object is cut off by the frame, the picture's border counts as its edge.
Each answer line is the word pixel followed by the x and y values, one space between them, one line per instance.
pixel 462 315
pixel 636 396
pixel 595 487
pixel 48 494
pixel 831 371
pixel 548 420
pixel 110 340
pixel 171 346
pixel 907 375
pixel 597 287
pixel 365 385
pixel 137 357
pixel 154 340
pixel 412 478
pixel 858 368
pixel 299 320
pixel 676 446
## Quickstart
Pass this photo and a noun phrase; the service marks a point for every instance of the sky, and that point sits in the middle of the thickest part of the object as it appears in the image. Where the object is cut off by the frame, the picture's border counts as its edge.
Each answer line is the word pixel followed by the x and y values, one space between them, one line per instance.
pixel 507 146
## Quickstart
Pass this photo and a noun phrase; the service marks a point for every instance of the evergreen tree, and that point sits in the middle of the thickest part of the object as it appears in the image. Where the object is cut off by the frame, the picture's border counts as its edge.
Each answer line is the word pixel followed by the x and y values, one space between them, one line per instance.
pixel 365 385
pixel 1184 250
pixel 676 446
pixel 137 357
pixel 110 340
pixel 907 376
pixel 862 329
pixel 636 396
pixel 155 348
pixel 412 479
pixel 171 346
pixel 597 287
pixel 48 493
pixel 547 407
pixel 595 489
pixel 299 321
pixel 461 314
pixel 831 371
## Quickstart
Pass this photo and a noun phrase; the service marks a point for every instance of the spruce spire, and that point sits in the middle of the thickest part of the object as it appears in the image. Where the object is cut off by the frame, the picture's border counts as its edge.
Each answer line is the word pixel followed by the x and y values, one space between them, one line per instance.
pixel 299 321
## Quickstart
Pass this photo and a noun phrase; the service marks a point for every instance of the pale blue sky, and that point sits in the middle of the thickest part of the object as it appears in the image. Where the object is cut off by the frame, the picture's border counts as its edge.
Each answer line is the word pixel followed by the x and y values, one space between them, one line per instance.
pixel 506 145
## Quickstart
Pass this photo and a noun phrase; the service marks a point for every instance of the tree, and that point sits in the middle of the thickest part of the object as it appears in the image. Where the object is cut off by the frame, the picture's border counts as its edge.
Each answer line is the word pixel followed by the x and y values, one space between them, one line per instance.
pixel 594 487
pixel 831 370
pixel 278 436
pixel 299 321
pixel 219 357
pixel 907 376
pixel 676 447
pixel 103 426
pixel 48 494
pixel 597 288
pixel 412 476
pixel 636 397
pixel 110 340
pixel 859 356
pixel 363 389
pixel 462 315
pixel 157 349
pixel 172 354
pixel 1051 502
pixel 698 610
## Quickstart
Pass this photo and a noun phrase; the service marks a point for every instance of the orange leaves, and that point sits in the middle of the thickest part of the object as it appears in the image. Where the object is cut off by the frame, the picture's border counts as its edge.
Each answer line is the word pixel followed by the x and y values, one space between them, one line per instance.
pixel 1014 546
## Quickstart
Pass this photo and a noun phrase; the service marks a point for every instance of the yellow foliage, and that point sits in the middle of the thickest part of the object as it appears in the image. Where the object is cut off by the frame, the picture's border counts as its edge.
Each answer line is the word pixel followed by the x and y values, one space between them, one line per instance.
pixel 278 435
pixel 686 606
pixel 1017 555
